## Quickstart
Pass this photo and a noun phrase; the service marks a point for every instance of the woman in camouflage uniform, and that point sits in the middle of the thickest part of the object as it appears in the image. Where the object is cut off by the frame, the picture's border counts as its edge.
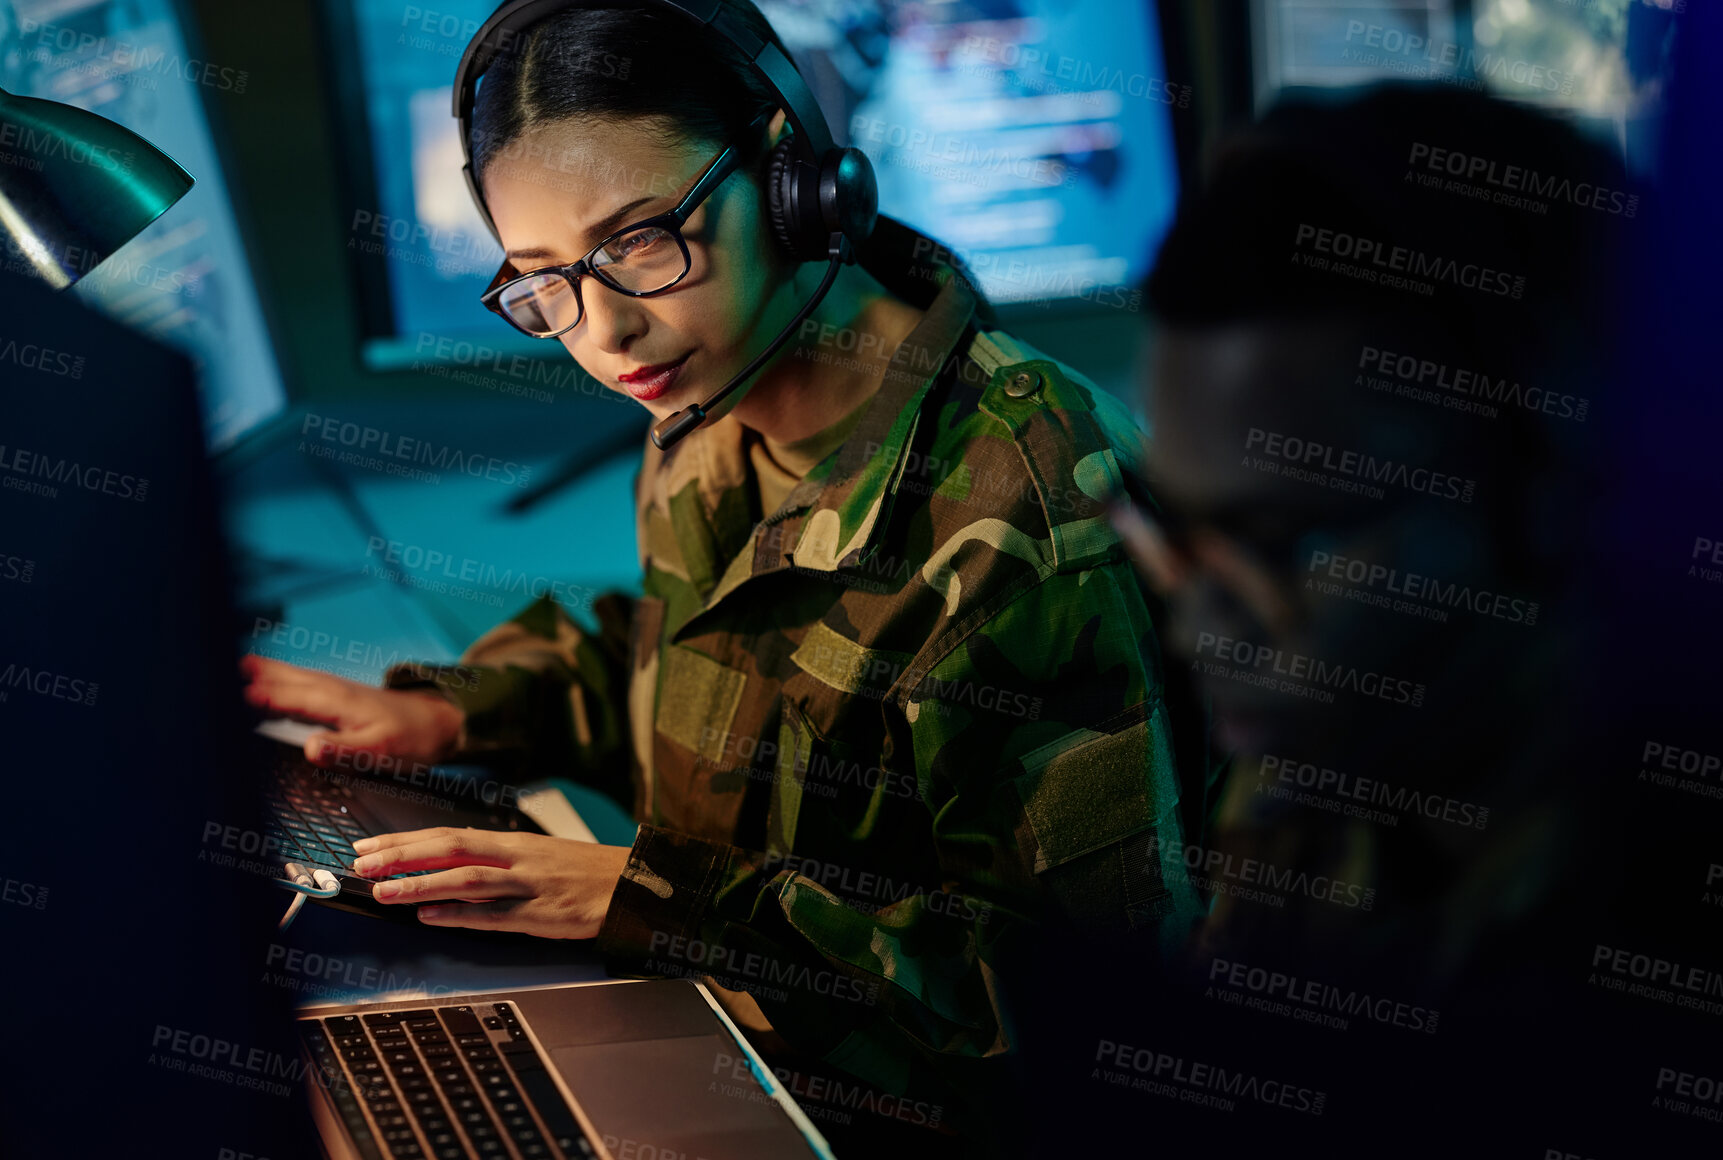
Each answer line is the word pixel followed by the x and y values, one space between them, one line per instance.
pixel 890 696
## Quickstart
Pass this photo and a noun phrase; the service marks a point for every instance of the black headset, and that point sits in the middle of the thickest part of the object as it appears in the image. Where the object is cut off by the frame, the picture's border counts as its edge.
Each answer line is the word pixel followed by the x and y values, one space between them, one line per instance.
pixel 822 201
pixel 814 189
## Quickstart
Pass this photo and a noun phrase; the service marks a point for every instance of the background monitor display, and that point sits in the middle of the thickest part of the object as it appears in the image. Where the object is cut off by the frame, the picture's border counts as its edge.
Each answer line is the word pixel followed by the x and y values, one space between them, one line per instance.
pixel 1033 138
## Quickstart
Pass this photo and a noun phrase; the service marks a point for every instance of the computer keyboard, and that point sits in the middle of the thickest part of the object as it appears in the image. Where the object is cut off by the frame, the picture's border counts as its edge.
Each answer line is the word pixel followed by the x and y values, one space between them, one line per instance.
pixel 443 1083
pixel 314 821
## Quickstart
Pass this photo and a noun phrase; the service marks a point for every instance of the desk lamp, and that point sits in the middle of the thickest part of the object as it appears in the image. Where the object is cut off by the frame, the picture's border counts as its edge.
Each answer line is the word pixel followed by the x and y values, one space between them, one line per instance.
pixel 75 187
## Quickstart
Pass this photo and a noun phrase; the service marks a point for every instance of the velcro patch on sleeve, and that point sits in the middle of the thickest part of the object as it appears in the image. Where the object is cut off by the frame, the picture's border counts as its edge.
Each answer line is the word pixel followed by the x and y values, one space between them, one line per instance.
pixel 1088 789
pixel 845 665
pixel 697 701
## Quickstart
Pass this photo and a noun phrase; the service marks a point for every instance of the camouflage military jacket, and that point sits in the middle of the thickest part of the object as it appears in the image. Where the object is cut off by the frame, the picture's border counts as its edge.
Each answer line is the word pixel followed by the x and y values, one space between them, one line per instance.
pixel 868 732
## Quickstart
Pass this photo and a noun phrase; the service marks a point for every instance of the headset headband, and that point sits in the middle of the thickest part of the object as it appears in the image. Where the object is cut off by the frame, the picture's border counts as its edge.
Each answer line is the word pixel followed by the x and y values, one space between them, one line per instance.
pixel 813 138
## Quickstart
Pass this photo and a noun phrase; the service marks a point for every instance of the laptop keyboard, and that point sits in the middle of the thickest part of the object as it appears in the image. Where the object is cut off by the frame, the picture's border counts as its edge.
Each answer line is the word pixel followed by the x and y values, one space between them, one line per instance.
pixel 446 1083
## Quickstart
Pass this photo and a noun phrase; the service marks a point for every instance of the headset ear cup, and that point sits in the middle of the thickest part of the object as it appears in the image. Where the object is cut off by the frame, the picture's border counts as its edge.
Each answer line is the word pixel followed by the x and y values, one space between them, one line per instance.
pixel 781 197
pixel 849 194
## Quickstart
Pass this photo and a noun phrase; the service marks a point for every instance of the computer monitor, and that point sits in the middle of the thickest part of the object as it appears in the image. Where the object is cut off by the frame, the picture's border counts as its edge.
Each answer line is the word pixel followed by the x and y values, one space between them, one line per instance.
pixel 1034 138
pixel 1595 61
pixel 187 280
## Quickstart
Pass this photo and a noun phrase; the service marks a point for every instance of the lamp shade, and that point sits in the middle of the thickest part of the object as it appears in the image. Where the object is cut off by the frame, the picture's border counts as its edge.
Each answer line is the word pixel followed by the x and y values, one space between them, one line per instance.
pixel 75 187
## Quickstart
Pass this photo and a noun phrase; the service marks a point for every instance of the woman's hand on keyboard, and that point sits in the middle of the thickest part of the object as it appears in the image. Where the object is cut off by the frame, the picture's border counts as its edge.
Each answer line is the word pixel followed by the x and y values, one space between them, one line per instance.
pixel 494 880
pixel 408 726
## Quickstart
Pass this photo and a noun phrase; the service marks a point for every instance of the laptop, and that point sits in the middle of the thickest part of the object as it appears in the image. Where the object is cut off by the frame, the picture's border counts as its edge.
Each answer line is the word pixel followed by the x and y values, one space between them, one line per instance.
pixel 612 1070
pixel 618 1069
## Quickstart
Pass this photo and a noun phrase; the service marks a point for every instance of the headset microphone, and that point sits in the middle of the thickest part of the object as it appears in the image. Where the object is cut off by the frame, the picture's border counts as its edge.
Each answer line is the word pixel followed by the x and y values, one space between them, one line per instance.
pixel 667 431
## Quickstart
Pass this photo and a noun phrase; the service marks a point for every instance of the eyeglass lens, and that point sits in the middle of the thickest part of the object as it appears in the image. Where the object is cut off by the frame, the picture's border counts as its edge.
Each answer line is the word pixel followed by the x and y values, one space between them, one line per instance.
pixel 639 262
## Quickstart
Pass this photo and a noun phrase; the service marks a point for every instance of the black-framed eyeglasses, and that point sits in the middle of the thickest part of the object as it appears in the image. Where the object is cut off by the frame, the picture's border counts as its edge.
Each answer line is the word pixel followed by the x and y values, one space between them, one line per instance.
pixel 640 260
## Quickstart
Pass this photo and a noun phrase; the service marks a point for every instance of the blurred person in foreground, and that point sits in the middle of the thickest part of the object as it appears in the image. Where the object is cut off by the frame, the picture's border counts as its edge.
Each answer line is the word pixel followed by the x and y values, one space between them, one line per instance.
pixel 1373 402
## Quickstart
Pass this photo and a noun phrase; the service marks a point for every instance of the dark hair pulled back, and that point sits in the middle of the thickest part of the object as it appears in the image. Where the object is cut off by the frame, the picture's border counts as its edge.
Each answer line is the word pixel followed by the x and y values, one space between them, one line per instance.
pixel 624 63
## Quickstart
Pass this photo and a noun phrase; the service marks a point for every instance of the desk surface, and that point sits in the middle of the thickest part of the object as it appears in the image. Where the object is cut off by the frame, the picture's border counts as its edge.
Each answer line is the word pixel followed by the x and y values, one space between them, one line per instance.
pixel 334 956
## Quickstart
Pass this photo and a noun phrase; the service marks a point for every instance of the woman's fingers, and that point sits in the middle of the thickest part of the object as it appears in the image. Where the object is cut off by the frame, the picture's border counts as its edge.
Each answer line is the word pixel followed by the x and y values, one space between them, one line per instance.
pixel 402 837
pixel 305 700
pixel 509 914
pixel 465 882
pixel 265 668
pixel 1146 547
pixel 321 748
pixel 435 849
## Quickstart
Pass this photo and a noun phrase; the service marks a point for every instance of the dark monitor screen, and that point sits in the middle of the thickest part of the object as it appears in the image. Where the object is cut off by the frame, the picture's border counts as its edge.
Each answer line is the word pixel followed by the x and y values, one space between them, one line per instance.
pixel 186 280
pixel 1034 138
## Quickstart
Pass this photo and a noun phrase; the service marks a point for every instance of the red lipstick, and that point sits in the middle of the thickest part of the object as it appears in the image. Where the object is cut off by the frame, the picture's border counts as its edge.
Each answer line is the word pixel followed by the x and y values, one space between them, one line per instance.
pixel 650 382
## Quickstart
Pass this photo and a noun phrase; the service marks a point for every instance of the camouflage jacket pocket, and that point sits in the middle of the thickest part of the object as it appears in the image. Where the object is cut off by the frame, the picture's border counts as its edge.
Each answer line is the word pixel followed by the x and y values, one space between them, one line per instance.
pixel 1096 802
